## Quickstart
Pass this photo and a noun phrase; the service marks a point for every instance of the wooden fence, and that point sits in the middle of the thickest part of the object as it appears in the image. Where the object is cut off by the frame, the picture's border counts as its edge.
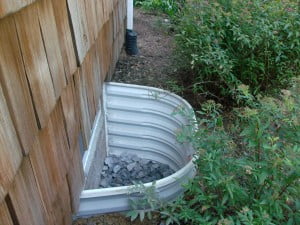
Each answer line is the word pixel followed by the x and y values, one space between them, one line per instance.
pixel 54 57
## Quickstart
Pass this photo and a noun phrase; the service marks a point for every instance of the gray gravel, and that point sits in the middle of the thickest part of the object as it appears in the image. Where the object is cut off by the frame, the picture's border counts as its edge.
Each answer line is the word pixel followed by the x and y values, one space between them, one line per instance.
pixel 129 168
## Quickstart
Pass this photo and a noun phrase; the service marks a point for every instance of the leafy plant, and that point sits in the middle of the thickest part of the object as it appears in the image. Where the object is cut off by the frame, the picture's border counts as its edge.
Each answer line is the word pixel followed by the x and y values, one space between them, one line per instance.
pixel 144 201
pixel 224 43
pixel 170 7
pixel 249 170
pixel 173 86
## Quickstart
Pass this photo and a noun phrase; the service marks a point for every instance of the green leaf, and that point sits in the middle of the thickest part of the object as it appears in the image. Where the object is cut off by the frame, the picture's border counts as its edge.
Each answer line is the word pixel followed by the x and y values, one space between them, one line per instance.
pixel 169 221
pixel 132 214
pixel 297 203
pixel 142 215
pixel 262 177
pixel 149 215
pixel 228 187
pixel 290 221
pixel 225 199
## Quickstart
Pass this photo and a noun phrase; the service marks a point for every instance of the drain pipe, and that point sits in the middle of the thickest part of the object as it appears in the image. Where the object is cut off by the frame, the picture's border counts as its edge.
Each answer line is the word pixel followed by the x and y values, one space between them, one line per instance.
pixel 131 36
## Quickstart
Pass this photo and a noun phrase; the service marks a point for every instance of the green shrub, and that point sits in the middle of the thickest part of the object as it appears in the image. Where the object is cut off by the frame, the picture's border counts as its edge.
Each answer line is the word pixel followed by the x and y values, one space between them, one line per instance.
pixel 170 7
pixel 248 170
pixel 248 166
pixel 223 43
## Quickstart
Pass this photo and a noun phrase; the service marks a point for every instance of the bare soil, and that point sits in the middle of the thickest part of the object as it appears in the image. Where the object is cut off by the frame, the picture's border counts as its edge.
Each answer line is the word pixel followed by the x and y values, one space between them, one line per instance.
pixel 155 65
pixel 114 219
pixel 151 67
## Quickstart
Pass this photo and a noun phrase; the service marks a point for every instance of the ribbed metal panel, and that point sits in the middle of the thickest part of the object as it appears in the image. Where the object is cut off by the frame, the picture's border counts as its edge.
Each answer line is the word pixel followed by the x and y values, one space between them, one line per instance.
pixel 142 120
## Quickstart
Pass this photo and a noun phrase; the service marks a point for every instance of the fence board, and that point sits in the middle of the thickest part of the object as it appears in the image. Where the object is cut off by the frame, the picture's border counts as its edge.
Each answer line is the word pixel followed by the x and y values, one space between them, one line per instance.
pixel 35 60
pixel 15 87
pixel 25 197
pixel 70 114
pixel 81 98
pixel 76 178
pixel 115 24
pixel 121 15
pixel 42 173
pixel 77 105
pixel 61 140
pixel 97 76
pixel 62 206
pixel 99 50
pixel 38 90
pixel 5 218
pixel 104 55
pixel 90 7
pixel 108 7
pixel 65 38
pixel 51 158
pixel 10 6
pixel 106 41
pixel 115 54
pixel 124 8
pixel 105 11
pixel 99 15
pixel 87 75
pixel 10 150
pixel 80 27
pixel 110 46
pixel 50 38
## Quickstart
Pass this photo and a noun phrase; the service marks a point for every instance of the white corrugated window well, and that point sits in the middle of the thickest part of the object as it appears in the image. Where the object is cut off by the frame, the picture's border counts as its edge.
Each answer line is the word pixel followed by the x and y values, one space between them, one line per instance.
pixel 141 122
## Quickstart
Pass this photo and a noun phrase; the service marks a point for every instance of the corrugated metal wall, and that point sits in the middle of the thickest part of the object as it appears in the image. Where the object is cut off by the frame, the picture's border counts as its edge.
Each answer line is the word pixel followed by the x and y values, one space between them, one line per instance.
pixel 54 57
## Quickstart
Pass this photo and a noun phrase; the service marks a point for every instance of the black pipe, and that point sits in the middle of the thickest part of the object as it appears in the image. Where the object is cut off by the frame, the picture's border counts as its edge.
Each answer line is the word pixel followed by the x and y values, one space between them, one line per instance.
pixel 131 42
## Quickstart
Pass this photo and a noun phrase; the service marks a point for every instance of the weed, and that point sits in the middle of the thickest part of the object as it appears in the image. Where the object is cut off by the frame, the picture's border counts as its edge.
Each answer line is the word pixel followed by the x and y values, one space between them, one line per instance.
pixel 169 7
pixel 255 181
pixel 247 173
pixel 222 44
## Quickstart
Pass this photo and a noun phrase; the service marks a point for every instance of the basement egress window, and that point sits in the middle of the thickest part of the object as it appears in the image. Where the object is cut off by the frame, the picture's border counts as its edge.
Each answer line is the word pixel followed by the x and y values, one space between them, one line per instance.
pixel 135 132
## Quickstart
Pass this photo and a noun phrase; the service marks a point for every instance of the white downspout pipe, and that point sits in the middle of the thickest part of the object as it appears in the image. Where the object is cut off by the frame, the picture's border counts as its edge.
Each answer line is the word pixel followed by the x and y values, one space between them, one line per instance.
pixel 129 14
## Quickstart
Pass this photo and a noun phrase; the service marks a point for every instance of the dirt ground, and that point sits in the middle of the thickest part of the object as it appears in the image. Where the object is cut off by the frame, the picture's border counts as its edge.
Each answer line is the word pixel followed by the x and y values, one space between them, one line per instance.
pixel 152 67
pixel 113 219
